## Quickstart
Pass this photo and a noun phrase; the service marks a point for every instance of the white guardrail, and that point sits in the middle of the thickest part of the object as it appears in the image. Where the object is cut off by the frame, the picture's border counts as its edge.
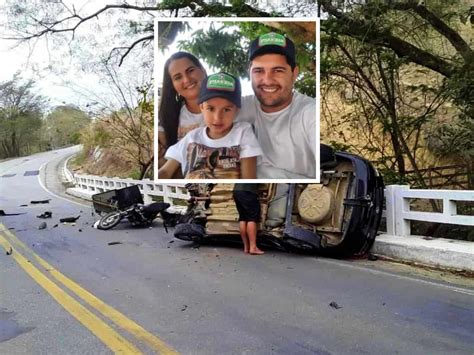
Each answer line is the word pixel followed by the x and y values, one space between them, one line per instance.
pixel 92 184
pixel 397 197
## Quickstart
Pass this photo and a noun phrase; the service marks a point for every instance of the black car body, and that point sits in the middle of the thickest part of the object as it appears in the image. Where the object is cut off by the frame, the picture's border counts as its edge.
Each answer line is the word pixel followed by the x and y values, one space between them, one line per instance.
pixel 338 217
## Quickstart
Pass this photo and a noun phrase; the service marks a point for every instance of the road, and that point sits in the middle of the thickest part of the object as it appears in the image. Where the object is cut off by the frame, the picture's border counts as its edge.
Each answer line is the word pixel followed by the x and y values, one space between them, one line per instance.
pixel 64 289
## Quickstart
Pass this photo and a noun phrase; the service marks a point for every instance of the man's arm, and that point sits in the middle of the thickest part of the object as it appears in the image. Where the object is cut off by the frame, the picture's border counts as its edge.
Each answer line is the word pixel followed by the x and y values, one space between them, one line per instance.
pixel 168 169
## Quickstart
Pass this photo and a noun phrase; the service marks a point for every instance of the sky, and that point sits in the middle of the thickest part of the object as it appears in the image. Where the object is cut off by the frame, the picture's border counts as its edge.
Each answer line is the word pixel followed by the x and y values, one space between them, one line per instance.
pixel 58 69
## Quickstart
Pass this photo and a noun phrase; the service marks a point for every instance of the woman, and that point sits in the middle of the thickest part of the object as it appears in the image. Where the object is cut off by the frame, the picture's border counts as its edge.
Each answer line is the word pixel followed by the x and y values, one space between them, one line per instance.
pixel 179 110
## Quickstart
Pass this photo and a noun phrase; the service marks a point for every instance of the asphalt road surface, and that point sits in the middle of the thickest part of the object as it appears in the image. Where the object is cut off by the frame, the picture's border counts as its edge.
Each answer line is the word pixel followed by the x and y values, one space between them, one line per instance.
pixel 65 290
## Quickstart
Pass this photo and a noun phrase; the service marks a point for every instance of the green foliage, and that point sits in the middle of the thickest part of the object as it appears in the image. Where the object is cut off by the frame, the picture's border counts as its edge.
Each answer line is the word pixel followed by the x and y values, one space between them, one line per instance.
pixel 220 49
pixel 225 48
pixel 63 125
pixel 20 118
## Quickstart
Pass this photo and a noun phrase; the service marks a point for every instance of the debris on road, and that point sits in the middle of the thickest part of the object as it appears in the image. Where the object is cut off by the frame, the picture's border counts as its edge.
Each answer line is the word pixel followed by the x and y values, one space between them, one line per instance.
pixel 23 205
pixel 43 225
pixel 334 305
pixel 184 308
pixel 80 230
pixel 36 202
pixel 114 243
pixel 46 214
pixel 10 251
pixel 373 257
pixel 69 219
pixel 55 225
pixel 2 213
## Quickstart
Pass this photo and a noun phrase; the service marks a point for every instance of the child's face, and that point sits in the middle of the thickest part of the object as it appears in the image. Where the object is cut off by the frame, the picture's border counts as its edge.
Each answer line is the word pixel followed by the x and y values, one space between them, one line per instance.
pixel 218 115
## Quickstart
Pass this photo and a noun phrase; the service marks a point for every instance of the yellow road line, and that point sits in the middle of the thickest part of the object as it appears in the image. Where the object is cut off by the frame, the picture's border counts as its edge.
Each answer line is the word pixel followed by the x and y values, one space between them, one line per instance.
pixel 120 319
pixel 100 329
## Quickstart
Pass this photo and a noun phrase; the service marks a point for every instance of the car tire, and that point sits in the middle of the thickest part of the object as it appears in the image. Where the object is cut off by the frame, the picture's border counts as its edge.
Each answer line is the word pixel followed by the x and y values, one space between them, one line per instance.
pixel 191 232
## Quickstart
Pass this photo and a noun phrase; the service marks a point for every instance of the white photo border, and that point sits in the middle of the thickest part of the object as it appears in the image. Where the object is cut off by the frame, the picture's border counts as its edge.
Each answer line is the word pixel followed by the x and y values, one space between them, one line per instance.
pixel 316 20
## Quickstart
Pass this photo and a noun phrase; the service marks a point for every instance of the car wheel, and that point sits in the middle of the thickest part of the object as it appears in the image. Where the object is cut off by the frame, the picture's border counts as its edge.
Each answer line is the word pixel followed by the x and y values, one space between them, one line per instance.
pixel 191 232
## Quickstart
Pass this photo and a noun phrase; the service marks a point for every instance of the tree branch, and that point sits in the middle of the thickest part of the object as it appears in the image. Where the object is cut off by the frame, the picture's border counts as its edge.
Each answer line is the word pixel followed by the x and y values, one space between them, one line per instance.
pixel 365 32
pixel 128 49
pixel 461 46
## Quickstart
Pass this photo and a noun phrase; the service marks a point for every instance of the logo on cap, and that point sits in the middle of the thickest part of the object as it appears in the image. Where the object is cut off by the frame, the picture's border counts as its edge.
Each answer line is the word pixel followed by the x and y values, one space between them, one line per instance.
pixel 272 38
pixel 221 81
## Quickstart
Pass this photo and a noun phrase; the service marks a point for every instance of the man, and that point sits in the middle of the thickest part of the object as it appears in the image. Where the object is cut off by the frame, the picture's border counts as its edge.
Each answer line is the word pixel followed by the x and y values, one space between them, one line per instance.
pixel 284 120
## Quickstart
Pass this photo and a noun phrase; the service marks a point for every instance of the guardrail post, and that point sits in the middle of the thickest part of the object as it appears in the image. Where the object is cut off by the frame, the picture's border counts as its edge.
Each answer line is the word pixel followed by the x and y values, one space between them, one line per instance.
pixel 402 205
pixel 449 207
pixel 167 194
pixel 390 208
pixel 146 193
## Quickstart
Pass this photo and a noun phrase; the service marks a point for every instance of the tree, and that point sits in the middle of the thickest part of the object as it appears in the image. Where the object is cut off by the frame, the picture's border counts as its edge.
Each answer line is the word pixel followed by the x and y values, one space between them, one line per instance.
pixel 231 53
pixel 20 117
pixel 382 42
pixel 124 127
pixel 63 125
pixel 33 20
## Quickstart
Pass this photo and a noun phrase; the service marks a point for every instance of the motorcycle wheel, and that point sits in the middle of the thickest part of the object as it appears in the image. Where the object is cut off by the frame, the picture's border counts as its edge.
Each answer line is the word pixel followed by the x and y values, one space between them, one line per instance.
pixel 109 221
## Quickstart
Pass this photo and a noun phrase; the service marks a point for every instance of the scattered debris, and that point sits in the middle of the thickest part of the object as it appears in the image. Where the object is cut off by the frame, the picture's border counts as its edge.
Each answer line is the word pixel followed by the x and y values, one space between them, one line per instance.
pixel 36 202
pixel 46 214
pixel 43 225
pixel 80 230
pixel 184 308
pixel 171 241
pixel 55 225
pixel 114 243
pixel 2 213
pixel 69 219
pixel 334 305
pixel 10 251
pixel 383 304
pixel 23 205
pixel 373 257
pixel 69 224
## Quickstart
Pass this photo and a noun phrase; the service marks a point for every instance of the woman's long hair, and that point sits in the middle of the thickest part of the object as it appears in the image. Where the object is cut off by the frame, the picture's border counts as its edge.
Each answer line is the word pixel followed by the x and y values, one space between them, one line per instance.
pixel 170 103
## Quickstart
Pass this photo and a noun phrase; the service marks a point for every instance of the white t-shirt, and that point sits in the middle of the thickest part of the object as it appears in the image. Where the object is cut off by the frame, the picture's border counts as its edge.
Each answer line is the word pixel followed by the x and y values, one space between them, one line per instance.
pixel 202 157
pixel 287 137
pixel 187 122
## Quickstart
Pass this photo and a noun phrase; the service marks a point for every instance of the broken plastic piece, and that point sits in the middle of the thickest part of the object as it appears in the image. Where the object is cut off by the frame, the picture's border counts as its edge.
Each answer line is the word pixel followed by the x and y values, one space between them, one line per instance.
pixel 40 201
pixel 69 219
pixel 46 214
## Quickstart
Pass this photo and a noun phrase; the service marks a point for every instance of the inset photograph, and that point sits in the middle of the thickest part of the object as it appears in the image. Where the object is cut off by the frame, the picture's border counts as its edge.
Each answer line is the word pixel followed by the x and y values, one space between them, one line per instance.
pixel 236 100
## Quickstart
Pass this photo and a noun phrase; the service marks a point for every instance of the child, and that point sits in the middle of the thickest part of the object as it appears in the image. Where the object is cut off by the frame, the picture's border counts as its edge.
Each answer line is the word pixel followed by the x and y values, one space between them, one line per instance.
pixel 246 201
pixel 222 149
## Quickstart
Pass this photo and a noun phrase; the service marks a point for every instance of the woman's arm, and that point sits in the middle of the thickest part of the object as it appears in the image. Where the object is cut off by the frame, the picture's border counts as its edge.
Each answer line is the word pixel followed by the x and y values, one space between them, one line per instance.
pixel 248 168
pixel 168 169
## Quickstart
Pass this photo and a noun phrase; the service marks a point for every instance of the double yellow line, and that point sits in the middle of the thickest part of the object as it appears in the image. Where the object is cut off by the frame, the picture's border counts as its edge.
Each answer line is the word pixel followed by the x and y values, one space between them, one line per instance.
pixel 93 323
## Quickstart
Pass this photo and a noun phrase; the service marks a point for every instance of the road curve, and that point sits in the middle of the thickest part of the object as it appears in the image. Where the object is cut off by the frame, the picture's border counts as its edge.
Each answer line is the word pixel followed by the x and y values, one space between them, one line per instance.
pixel 154 294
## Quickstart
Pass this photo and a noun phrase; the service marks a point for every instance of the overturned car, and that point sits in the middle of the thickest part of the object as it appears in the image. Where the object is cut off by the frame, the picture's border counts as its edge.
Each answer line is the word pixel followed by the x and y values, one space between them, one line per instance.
pixel 338 217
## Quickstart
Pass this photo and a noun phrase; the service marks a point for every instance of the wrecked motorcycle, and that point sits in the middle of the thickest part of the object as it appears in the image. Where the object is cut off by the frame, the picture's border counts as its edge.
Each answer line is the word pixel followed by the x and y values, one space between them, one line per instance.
pixel 115 205
pixel 339 216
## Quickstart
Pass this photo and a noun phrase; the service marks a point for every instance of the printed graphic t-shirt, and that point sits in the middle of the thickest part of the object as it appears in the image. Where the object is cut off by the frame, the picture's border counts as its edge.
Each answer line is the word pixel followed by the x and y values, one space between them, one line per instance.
pixel 204 158
pixel 287 137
